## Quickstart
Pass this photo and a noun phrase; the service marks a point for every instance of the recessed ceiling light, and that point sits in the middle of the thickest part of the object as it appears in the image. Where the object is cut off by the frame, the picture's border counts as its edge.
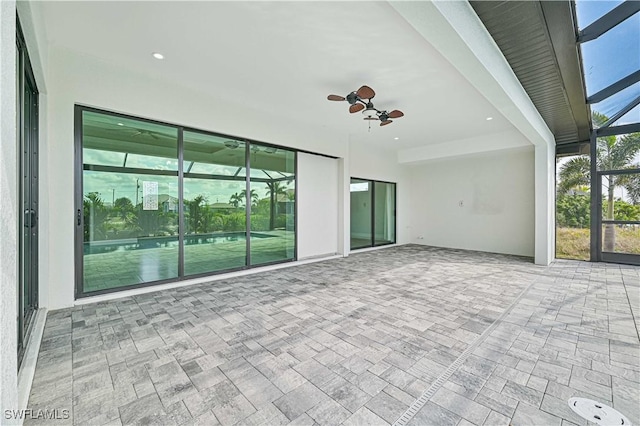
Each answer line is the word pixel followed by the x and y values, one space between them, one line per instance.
pixel 396 138
pixel 158 55
pixel 489 118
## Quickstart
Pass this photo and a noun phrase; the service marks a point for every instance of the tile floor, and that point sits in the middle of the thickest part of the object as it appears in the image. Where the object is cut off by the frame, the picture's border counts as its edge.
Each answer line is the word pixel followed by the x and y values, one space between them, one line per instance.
pixel 406 335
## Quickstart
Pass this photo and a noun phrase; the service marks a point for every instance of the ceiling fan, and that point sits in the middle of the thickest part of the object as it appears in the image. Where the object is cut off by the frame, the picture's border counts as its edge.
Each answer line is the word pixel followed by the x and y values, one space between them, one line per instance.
pixel 134 131
pixel 360 100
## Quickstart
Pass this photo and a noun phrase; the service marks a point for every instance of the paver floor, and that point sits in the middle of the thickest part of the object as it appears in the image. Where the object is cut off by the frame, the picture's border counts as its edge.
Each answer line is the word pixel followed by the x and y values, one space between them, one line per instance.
pixel 489 339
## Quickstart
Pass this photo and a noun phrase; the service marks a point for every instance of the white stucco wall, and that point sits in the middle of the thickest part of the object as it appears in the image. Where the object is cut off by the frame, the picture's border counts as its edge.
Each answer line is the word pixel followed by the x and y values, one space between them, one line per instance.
pixel 479 202
pixel 454 29
pixel 318 206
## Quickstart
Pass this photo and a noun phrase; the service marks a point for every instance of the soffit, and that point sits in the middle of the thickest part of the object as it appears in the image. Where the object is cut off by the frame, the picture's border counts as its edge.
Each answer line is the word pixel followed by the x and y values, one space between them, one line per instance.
pixel 538 39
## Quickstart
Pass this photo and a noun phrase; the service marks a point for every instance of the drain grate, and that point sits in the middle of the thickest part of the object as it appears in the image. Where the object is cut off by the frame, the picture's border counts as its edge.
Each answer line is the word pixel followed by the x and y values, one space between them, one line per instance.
pixel 597 412
pixel 441 380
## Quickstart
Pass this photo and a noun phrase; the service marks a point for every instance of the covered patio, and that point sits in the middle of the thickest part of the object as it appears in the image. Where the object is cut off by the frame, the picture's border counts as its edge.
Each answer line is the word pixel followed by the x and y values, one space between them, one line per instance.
pixel 403 335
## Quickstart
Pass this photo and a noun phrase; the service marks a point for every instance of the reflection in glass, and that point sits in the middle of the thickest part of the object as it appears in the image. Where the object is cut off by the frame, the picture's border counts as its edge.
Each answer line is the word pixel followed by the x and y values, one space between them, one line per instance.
pixel 272 198
pixel 132 211
pixel 130 214
pixel 573 232
pixel 385 206
pixel 361 205
pixel 214 212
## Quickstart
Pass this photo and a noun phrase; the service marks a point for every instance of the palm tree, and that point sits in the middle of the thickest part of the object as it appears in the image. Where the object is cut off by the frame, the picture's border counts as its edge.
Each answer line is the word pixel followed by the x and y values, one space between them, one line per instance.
pixel 235 200
pixel 95 217
pixel 196 213
pixel 123 207
pixel 275 189
pixel 253 194
pixel 612 153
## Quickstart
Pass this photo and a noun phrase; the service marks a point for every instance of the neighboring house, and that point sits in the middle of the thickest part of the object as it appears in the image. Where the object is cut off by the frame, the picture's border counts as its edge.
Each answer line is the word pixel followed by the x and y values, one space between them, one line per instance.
pixel 167 203
pixel 222 207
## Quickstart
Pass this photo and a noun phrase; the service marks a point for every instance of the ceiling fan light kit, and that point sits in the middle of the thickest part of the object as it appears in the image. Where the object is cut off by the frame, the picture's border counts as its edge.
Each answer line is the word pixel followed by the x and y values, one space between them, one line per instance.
pixel 360 100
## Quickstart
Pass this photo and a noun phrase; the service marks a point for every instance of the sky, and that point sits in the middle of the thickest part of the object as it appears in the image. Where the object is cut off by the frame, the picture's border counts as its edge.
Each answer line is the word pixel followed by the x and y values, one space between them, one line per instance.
pixel 610 57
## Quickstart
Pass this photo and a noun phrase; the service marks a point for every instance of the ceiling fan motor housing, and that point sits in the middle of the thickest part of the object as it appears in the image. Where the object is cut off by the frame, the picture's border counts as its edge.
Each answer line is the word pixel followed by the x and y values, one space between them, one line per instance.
pixel 370 112
pixel 352 98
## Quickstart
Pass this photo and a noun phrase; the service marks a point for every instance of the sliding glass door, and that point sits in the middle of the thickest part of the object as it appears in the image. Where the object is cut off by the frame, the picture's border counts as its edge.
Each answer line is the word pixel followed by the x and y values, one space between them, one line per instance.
pixel 27 112
pixel 373 213
pixel 361 213
pixel 214 204
pixel 129 202
pixel 272 193
pixel 384 213
pixel 158 203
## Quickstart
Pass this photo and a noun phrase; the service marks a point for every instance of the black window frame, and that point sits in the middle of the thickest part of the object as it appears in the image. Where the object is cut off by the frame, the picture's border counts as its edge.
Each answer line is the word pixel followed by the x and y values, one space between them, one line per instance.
pixel 79 292
pixel 372 182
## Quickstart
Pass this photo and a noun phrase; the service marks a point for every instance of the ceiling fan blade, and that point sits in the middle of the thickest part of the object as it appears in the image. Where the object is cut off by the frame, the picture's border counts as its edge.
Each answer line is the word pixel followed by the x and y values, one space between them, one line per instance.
pixel 355 108
pixel 370 118
pixel 365 92
pixel 384 123
pixel 335 98
pixel 396 114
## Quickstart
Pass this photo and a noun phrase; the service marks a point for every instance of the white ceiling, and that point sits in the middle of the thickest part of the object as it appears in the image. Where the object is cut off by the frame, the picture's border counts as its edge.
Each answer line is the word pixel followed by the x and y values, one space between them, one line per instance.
pixel 286 57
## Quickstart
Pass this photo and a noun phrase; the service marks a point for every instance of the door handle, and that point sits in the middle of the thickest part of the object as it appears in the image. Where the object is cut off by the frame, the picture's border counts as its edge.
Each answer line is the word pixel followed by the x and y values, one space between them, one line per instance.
pixel 29 218
pixel 79 217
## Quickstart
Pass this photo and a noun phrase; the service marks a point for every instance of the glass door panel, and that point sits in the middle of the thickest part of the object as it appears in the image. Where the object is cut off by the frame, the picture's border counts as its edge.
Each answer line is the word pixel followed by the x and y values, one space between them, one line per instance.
pixel 214 210
pixel 27 148
pixel 361 212
pixel 130 202
pixel 272 199
pixel 159 202
pixel 384 213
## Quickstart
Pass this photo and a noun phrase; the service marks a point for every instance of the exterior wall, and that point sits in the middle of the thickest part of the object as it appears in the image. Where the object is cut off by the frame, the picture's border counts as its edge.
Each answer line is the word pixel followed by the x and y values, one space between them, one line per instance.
pixel 9 203
pixel 454 29
pixel 497 195
pixel 83 80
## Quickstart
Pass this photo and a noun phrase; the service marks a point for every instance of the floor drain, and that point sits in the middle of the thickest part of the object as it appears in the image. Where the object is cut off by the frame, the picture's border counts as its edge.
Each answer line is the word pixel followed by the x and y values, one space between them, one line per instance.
pixel 597 413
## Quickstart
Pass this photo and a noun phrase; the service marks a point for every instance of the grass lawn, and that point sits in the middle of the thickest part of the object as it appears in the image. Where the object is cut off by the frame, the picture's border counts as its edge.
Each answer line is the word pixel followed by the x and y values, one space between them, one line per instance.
pixel 573 243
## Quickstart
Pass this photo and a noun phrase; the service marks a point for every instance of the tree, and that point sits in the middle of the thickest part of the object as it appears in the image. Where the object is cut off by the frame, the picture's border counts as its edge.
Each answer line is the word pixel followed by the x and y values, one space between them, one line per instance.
pixel 253 194
pixel 275 189
pixel 633 188
pixel 123 207
pixel 95 217
pixel 196 213
pixel 235 200
pixel 612 153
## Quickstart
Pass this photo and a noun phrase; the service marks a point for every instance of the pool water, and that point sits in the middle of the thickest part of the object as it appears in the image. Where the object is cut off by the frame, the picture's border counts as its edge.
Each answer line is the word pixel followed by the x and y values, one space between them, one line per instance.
pixel 141 243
